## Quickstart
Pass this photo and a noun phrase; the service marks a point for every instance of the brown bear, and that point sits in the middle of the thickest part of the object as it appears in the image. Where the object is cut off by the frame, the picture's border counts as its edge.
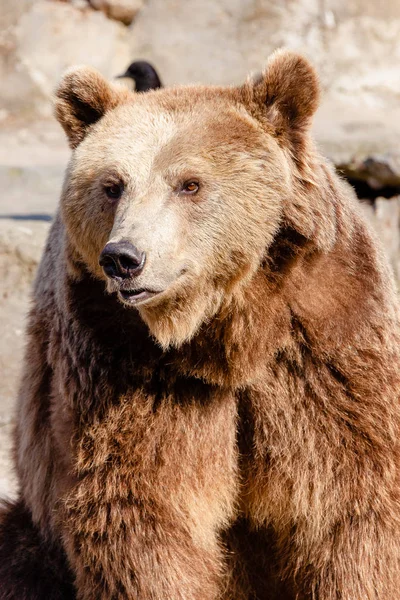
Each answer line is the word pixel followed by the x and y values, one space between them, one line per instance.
pixel 209 408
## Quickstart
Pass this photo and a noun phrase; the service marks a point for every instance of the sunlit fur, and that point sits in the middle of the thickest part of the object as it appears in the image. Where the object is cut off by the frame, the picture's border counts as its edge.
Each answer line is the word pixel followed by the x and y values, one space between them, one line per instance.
pixel 236 436
pixel 217 237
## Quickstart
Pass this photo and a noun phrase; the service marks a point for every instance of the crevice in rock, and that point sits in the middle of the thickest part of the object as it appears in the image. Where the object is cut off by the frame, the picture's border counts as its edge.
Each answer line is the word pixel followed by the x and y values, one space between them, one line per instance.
pixel 376 181
pixel 373 177
pixel 365 191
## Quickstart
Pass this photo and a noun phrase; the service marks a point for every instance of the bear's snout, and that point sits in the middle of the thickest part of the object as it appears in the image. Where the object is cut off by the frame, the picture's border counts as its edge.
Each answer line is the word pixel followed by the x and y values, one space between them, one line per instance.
pixel 121 260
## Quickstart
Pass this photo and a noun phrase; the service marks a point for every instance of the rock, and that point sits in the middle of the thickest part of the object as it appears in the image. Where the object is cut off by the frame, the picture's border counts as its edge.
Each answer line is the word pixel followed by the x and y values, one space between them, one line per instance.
pixel 48 38
pixel 378 171
pixel 384 215
pixel 120 10
pixel 11 12
pixel 8 483
pixel 21 246
pixel 82 4
pixel 387 215
pixel 32 193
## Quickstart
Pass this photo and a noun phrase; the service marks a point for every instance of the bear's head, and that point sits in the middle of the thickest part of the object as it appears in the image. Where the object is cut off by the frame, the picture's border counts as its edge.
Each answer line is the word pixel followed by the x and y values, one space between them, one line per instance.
pixel 174 197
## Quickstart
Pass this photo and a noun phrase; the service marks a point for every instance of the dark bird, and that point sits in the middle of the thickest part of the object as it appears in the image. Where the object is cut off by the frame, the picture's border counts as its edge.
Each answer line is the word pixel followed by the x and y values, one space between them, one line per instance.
pixel 144 76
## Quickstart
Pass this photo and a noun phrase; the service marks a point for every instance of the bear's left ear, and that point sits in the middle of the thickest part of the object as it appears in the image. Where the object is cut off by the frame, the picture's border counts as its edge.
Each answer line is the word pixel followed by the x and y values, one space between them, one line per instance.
pixel 286 95
pixel 81 99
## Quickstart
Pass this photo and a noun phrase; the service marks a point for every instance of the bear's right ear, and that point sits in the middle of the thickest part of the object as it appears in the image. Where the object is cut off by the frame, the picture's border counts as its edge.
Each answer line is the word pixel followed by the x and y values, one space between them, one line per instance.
pixel 81 99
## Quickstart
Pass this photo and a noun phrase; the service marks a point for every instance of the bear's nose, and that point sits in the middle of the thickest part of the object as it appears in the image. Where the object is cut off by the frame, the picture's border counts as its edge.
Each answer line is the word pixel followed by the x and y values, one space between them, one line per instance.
pixel 121 260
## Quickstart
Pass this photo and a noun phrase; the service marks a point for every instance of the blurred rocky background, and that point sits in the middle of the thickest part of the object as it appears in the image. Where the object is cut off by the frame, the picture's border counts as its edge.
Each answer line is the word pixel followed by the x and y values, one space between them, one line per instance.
pixel 355 45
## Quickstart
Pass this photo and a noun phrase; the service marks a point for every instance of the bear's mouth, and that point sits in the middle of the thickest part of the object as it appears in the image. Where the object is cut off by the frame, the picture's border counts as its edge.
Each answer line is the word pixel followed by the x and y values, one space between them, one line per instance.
pixel 133 297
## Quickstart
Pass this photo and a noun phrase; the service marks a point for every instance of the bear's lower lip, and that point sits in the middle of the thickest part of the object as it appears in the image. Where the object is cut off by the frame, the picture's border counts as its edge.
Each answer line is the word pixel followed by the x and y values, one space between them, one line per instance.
pixel 135 296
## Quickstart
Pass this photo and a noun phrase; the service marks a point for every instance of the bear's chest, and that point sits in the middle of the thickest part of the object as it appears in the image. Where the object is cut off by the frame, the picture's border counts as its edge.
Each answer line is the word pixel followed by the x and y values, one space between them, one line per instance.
pixel 144 469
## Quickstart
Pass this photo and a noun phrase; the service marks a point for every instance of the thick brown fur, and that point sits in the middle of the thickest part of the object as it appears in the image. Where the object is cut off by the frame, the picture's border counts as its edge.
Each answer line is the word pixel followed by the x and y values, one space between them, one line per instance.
pixel 235 436
pixel 31 567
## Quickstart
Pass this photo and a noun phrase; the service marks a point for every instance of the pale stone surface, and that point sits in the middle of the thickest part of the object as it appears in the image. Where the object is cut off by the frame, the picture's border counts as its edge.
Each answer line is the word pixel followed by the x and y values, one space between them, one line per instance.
pixel 21 245
pixel 120 10
pixel 384 216
pixel 8 482
pixel 48 38
pixel 387 215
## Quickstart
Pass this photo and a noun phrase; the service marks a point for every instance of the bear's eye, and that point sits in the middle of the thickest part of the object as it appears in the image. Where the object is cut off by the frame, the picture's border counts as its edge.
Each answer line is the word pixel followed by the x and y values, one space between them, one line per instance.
pixel 190 187
pixel 114 190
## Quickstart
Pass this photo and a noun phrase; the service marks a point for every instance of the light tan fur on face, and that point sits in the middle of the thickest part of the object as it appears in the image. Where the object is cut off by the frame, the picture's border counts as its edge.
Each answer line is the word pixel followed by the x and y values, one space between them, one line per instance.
pixel 199 249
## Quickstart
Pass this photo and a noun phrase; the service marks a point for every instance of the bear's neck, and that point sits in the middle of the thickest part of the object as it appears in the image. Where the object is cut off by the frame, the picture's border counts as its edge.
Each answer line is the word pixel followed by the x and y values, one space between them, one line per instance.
pixel 235 347
pixel 232 349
